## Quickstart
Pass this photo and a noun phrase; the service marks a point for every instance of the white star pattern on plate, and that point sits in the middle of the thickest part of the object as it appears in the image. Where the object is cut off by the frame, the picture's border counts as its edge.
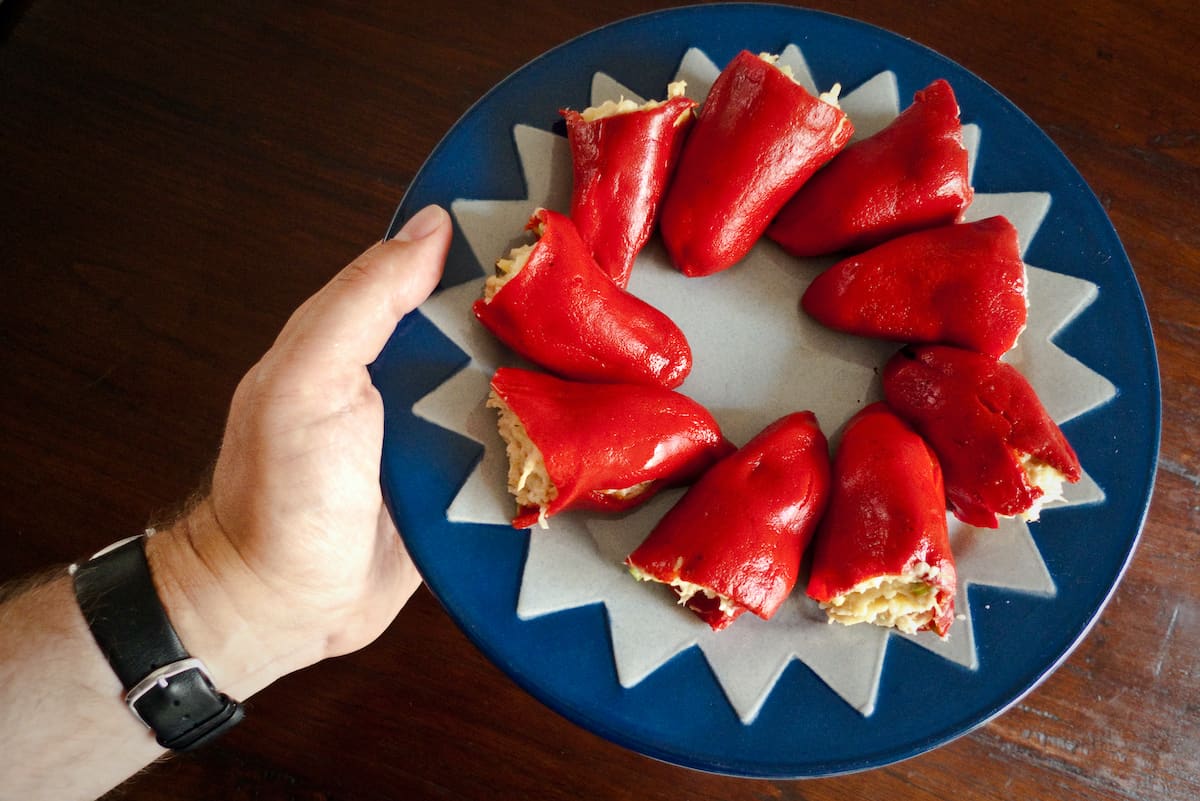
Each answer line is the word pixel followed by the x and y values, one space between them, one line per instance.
pixel 757 358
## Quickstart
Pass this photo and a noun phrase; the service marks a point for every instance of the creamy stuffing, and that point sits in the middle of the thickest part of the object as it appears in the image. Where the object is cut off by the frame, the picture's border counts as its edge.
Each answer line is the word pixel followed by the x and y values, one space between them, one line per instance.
pixel 528 480
pixel 506 269
pixel 830 97
pixel 908 601
pixel 1046 478
pixel 628 492
pixel 687 589
pixel 611 108
pixel 508 266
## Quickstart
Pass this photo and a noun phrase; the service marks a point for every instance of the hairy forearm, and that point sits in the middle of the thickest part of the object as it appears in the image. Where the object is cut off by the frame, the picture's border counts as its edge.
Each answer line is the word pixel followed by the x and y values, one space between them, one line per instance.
pixel 65 732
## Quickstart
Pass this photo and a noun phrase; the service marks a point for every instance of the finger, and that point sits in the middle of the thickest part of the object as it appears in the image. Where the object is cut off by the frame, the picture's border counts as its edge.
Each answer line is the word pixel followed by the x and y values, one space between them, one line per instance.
pixel 351 318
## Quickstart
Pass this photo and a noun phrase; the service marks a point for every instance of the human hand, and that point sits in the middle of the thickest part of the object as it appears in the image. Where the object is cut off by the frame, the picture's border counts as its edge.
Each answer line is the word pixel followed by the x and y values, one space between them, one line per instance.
pixel 292 556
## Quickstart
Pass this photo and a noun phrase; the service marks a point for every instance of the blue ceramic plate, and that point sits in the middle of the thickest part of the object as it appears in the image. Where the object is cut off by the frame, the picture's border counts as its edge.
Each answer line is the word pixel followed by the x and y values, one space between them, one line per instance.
pixel 679 714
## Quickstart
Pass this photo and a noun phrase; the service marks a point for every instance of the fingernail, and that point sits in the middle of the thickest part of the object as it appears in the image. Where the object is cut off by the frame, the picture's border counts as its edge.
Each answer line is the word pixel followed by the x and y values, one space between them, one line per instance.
pixel 421 224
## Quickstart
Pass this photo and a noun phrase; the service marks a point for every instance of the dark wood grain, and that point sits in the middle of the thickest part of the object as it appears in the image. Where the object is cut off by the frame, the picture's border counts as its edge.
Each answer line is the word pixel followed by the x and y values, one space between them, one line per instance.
pixel 178 176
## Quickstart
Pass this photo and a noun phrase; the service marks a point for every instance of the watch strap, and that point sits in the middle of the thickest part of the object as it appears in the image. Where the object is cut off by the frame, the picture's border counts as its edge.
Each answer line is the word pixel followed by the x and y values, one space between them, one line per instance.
pixel 166 688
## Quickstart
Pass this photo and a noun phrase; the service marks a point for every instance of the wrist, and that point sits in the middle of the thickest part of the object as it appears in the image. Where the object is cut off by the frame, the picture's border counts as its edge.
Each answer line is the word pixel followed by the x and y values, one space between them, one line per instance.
pixel 215 604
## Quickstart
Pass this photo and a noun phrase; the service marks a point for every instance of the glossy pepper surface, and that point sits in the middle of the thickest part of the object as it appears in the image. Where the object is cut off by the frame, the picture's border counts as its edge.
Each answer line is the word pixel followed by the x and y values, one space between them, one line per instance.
pixel 608 446
pixel 735 540
pixel 986 425
pixel 564 313
pixel 621 164
pixel 909 176
pixel 758 138
pixel 885 529
pixel 958 284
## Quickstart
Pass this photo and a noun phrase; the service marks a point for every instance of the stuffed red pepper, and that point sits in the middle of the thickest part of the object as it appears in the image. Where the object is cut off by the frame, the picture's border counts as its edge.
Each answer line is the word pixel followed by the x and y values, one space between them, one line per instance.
pixel 958 284
pixel 1000 452
pixel 623 154
pixel 760 135
pixel 882 553
pixel 598 446
pixel 909 176
pixel 551 303
pixel 734 542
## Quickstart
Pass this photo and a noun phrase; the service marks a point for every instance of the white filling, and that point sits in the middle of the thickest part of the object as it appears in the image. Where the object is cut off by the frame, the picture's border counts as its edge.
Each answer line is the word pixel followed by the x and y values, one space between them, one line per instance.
pixel 628 492
pixel 506 270
pixel 1046 478
pixel 843 122
pixel 830 97
pixel 773 60
pixel 528 480
pixel 508 267
pixel 611 108
pixel 687 589
pixel 907 602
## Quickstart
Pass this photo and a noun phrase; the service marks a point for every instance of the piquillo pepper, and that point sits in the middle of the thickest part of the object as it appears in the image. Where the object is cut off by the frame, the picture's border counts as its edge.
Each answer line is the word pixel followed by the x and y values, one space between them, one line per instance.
pixel 623 155
pixel 552 304
pixel 959 284
pixel 909 176
pixel 758 138
pixel 881 554
pixel 1000 452
pixel 734 541
pixel 597 446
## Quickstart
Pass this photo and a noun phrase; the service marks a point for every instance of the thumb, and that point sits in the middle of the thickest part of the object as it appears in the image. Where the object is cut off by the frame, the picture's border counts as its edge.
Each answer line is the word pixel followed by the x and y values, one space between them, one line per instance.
pixel 350 319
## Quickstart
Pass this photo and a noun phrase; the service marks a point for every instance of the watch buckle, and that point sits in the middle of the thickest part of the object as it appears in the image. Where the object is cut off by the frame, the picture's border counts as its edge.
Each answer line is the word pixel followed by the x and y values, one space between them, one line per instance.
pixel 159 678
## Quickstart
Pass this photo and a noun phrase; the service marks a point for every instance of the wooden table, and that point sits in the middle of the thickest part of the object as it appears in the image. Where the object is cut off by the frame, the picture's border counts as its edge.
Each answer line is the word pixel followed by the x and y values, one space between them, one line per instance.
pixel 178 176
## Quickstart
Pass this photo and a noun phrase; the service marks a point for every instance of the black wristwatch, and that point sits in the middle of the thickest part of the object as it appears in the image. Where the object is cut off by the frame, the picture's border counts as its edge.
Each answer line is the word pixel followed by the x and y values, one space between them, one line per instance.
pixel 166 688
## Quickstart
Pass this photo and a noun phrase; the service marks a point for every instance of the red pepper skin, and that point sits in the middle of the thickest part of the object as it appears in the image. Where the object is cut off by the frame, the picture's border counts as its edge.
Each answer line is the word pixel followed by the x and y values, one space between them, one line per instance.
pixel 758 138
pixel 562 312
pixel 887 513
pixel 976 412
pixel 742 528
pixel 621 167
pixel 909 176
pixel 958 284
pixel 596 437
